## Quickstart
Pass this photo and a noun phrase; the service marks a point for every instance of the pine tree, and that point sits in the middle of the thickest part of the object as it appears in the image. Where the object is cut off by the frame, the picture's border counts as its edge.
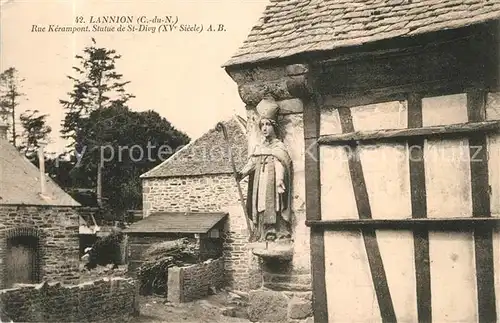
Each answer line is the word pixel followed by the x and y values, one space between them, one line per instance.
pixel 35 129
pixel 98 120
pixel 96 85
pixel 10 87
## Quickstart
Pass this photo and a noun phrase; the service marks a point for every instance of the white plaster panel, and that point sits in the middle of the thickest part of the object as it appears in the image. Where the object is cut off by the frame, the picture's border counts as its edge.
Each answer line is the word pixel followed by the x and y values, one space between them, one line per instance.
pixel 396 250
pixel 453 277
pixel 350 291
pixel 329 122
pixel 337 195
pixel 493 106
pixel 442 110
pixel 494 173
pixel 496 264
pixel 386 173
pixel 448 178
pixel 386 115
pixel 493 113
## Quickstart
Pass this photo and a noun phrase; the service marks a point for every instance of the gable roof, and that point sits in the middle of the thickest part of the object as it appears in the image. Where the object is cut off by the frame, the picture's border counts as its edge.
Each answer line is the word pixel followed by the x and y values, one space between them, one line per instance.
pixel 176 222
pixel 20 181
pixel 289 27
pixel 206 155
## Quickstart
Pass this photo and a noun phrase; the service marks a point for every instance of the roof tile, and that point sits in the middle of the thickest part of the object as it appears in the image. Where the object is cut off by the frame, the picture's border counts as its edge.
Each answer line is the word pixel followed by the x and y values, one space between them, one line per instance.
pixel 20 181
pixel 295 24
pixel 206 155
pixel 171 222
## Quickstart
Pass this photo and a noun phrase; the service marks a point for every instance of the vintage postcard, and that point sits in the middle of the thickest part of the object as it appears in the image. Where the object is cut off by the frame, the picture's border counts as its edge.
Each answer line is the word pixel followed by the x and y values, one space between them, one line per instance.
pixel 250 161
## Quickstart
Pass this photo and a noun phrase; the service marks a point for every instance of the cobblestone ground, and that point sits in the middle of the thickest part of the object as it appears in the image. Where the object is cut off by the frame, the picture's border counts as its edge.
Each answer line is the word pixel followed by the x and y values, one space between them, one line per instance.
pixel 210 309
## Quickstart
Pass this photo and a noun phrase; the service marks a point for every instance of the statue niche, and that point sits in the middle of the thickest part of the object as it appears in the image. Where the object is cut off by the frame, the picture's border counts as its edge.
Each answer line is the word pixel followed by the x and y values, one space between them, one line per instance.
pixel 269 197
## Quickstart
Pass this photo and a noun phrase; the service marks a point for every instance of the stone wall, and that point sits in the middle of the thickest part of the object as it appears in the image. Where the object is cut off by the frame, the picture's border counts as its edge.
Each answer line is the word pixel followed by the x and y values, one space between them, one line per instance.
pixel 208 193
pixel 193 282
pixel 107 299
pixel 56 229
pixel 272 306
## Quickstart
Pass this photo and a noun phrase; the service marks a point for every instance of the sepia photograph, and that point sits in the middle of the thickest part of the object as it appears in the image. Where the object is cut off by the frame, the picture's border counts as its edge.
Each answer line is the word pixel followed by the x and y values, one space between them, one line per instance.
pixel 302 161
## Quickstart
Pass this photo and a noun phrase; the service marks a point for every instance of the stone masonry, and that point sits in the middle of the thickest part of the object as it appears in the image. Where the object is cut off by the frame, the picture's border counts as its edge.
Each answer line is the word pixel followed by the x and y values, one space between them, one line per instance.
pixel 193 282
pixel 57 231
pixel 112 299
pixel 207 193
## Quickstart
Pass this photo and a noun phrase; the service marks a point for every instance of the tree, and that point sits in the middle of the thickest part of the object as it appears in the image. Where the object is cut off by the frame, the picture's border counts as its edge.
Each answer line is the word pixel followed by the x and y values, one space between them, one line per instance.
pixel 135 143
pixel 99 123
pixel 10 87
pixel 97 85
pixel 35 130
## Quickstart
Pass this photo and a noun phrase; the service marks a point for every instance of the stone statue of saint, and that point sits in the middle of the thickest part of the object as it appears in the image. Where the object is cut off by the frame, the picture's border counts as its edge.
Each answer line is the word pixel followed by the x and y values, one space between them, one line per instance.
pixel 270 177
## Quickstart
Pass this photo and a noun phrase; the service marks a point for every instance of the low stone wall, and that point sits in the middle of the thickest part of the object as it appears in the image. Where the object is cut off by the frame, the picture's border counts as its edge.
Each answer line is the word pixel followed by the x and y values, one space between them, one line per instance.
pixel 102 300
pixel 193 282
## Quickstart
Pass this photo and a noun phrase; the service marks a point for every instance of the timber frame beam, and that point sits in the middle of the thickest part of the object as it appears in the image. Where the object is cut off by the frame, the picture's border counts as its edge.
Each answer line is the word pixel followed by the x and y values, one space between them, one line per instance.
pixel 452 224
pixel 394 135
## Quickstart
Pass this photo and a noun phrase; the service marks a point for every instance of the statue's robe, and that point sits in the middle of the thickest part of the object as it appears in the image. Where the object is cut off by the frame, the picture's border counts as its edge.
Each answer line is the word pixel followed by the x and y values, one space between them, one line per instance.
pixel 268 165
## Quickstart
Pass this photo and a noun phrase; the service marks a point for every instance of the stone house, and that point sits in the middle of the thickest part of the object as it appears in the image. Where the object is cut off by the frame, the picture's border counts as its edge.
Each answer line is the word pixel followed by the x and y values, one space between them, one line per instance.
pixel 395 220
pixel 38 223
pixel 199 178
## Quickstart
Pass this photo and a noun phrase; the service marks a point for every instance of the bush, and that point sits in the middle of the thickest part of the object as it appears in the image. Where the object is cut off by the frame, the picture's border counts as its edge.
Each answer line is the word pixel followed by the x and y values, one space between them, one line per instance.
pixel 153 273
pixel 106 250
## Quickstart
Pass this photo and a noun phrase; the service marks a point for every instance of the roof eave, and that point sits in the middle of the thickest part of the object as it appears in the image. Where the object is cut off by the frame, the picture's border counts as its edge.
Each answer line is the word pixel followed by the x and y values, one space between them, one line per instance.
pixel 188 175
pixel 248 61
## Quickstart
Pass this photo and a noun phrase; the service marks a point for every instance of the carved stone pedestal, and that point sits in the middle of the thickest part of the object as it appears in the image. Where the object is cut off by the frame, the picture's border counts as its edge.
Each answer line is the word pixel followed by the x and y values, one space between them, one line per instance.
pixel 279 251
pixel 285 293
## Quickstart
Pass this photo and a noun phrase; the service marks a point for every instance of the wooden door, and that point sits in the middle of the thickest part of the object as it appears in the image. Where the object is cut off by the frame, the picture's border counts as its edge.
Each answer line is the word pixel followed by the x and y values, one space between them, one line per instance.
pixel 21 260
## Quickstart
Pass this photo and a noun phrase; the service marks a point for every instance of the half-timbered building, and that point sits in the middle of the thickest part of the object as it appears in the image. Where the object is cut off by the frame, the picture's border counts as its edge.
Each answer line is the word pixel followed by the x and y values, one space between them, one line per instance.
pixel 392 112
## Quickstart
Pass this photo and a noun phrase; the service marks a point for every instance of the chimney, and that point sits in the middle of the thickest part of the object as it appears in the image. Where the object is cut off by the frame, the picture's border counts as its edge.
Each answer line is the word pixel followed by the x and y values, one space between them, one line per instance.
pixel 41 160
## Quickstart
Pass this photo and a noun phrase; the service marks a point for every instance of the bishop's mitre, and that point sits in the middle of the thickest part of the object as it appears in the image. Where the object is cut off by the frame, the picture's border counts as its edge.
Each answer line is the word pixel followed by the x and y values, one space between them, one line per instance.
pixel 267 109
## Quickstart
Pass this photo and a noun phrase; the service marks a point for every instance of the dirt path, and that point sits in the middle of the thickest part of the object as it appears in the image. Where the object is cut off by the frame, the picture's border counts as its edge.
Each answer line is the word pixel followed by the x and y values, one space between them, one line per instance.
pixel 155 309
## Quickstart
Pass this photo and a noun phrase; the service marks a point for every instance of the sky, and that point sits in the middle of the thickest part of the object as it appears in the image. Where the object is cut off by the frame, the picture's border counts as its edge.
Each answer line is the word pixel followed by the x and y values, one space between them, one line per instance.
pixel 177 74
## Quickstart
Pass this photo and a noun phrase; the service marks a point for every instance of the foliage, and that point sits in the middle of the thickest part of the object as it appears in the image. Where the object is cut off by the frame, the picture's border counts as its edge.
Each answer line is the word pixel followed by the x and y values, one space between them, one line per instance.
pixel 35 131
pixel 152 273
pixel 105 132
pixel 106 250
pixel 125 134
pixel 10 93
pixel 96 86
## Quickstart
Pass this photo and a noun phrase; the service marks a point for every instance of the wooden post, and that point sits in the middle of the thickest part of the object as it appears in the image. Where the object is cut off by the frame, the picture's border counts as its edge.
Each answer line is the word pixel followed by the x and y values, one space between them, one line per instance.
pixel 99 183
pixel 41 161
pixel 483 238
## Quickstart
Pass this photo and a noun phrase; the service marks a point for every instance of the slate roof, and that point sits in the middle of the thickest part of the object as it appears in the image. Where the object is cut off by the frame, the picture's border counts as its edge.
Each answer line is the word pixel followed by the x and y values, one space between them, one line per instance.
pixel 289 27
pixel 20 181
pixel 176 222
pixel 206 155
